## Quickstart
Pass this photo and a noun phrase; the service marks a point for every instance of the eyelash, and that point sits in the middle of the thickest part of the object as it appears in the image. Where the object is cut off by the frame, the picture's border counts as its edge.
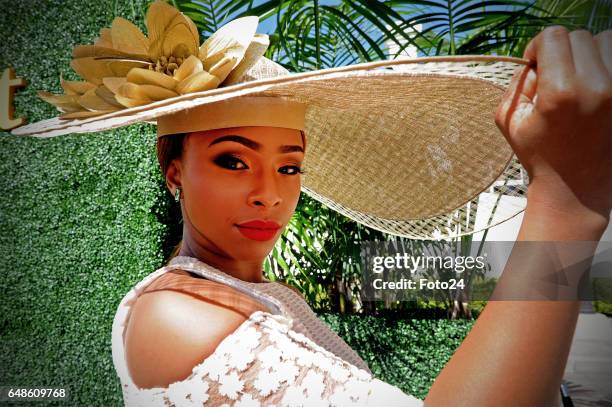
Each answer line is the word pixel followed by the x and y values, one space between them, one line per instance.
pixel 223 159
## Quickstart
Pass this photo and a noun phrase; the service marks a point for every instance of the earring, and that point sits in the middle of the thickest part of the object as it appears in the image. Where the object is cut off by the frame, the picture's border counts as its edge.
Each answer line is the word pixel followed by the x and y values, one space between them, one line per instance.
pixel 177 194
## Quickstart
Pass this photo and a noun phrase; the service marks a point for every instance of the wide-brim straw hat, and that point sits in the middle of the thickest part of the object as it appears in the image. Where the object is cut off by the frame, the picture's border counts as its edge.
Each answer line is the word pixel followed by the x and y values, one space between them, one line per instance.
pixel 407 146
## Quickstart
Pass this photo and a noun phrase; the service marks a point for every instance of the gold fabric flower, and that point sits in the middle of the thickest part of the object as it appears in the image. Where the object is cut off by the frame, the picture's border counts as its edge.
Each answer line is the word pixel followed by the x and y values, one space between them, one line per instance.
pixel 124 68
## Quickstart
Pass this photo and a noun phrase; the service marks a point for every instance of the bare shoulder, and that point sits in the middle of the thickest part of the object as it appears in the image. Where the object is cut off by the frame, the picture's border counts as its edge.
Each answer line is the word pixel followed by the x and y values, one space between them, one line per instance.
pixel 170 332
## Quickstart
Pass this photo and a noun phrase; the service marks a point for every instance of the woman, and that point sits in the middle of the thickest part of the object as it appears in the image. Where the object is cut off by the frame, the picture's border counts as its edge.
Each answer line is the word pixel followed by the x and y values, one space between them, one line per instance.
pixel 568 127
pixel 231 337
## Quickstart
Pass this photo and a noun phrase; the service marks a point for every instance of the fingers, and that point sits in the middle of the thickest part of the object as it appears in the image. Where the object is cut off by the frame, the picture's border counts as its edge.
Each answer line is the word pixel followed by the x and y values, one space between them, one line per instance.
pixel 552 51
pixel 530 84
pixel 508 99
pixel 603 41
pixel 573 70
pixel 592 77
pixel 522 89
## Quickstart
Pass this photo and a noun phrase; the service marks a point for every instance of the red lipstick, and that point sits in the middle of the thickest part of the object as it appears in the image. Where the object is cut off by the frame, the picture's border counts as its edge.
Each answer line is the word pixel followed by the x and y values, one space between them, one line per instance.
pixel 260 230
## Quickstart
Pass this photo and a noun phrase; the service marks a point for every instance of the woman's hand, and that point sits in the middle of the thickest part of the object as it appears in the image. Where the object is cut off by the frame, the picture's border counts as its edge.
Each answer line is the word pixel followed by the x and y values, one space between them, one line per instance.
pixel 558 119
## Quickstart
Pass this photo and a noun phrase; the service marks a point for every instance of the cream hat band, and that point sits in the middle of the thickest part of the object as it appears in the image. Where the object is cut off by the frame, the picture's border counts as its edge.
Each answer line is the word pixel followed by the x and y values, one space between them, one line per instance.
pixel 244 111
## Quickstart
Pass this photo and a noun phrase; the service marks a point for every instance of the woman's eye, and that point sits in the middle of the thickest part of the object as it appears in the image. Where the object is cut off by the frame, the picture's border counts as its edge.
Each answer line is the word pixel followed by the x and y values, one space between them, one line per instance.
pixel 291 170
pixel 230 162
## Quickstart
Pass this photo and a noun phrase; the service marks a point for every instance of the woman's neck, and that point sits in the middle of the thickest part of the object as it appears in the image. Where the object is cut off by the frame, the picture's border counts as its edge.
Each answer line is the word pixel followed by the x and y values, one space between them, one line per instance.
pixel 250 271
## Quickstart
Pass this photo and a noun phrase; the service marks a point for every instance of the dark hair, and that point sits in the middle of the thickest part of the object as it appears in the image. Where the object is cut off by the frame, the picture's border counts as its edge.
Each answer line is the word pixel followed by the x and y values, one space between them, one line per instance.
pixel 170 147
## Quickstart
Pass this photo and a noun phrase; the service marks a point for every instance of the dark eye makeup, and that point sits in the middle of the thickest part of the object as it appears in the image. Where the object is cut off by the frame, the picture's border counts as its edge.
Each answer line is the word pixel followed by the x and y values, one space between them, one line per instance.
pixel 230 162
pixel 233 162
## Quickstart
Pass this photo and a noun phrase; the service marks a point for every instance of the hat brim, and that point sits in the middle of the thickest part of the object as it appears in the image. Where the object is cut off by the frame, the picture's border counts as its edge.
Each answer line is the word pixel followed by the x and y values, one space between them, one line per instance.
pixel 385 146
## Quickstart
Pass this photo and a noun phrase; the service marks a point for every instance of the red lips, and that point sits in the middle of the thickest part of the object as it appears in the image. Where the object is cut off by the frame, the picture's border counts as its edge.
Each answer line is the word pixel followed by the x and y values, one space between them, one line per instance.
pixel 260 230
pixel 260 224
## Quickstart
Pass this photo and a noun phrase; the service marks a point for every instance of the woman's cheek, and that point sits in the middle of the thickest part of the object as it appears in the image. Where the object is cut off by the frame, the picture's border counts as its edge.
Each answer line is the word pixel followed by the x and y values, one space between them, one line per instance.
pixel 222 197
pixel 295 192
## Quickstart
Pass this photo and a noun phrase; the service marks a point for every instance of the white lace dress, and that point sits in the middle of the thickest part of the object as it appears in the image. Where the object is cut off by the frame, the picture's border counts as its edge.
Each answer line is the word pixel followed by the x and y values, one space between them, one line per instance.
pixel 264 362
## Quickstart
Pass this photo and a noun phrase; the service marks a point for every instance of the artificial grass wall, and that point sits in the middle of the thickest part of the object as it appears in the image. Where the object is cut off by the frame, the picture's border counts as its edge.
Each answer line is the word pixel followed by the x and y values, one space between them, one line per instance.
pixel 407 353
pixel 81 216
pixel 84 217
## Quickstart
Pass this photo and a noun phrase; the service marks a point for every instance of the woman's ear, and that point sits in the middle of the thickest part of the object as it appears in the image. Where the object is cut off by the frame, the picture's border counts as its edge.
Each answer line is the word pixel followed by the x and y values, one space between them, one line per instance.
pixel 173 175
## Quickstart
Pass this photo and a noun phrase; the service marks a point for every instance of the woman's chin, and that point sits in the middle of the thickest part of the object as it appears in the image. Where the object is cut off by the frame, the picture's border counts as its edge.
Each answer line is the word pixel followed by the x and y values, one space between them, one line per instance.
pixel 251 254
pixel 253 246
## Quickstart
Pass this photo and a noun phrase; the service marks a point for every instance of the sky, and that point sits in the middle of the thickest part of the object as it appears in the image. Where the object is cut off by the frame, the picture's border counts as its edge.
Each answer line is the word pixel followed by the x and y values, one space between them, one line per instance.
pixel 269 25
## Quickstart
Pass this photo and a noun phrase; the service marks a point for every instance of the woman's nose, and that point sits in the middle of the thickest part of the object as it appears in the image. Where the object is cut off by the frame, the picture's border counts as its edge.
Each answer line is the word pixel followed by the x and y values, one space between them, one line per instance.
pixel 265 190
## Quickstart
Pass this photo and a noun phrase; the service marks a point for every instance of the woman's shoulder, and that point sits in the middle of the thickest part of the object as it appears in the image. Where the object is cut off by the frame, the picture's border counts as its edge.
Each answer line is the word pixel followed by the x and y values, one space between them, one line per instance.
pixel 175 324
pixel 179 349
pixel 202 288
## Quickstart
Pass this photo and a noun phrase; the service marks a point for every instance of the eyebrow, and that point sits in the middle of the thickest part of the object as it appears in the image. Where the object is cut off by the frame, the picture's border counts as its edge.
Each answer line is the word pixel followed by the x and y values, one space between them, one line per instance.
pixel 253 145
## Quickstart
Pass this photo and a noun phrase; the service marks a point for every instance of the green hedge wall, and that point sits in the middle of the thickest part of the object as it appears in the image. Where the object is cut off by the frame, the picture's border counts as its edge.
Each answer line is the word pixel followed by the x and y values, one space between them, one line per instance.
pixel 409 353
pixel 81 216
pixel 85 217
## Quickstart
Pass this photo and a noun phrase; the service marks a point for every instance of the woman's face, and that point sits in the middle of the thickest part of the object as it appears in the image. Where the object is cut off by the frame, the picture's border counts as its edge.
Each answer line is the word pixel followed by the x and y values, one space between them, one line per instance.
pixel 232 177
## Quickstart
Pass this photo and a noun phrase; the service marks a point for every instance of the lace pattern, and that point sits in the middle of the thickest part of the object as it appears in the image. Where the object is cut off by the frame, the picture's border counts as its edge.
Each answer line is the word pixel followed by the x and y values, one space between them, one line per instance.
pixel 280 300
pixel 265 363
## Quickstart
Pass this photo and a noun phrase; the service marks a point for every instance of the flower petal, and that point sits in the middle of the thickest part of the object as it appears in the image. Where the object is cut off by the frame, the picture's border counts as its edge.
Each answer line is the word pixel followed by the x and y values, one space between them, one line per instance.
pixel 232 39
pixel 178 42
pixel 131 91
pixel 157 92
pixel 168 28
pixel 141 76
pixel 105 39
pixel 256 50
pixel 150 92
pixel 64 103
pixel 128 38
pixel 189 66
pixel 75 87
pixel 113 83
pixel 127 102
pixel 108 96
pixel 82 51
pixel 93 102
pixel 197 82
pixel 222 68
pixel 93 70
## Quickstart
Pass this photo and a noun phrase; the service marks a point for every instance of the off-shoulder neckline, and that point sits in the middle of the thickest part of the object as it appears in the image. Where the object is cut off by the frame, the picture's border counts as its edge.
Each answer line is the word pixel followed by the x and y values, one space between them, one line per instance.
pixel 178 260
pixel 257 317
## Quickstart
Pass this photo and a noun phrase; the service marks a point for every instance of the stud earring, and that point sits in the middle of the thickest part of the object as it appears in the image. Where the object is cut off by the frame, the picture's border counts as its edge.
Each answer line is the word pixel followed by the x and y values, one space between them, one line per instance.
pixel 177 194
